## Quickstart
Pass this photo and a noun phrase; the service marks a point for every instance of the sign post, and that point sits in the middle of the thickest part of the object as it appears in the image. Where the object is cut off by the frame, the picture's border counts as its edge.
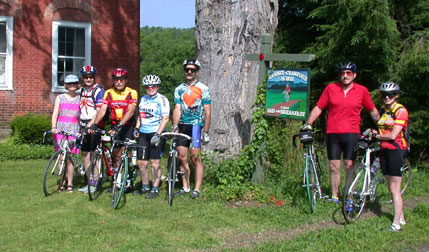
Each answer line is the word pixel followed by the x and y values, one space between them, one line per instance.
pixel 264 57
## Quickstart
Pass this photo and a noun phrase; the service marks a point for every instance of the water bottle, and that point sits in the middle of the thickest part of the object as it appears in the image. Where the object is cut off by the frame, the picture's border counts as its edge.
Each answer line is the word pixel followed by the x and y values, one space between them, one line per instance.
pixel 110 162
pixel 134 157
pixel 375 165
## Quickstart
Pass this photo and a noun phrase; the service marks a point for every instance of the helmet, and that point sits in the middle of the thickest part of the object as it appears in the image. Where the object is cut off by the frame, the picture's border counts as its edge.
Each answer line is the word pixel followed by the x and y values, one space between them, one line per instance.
pixel 120 72
pixel 88 70
pixel 151 80
pixel 347 65
pixel 194 62
pixel 389 87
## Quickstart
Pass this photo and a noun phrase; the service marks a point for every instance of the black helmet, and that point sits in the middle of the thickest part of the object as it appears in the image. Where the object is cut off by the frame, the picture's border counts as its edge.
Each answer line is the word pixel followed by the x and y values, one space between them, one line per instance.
pixel 194 62
pixel 347 65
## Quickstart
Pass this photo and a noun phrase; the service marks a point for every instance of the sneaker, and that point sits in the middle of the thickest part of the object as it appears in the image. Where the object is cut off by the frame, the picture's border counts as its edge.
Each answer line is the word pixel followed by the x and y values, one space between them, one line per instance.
pixel 392 228
pixel 334 200
pixel 128 189
pixel 402 223
pixel 195 194
pixel 349 205
pixel 92 189
pixel 152 195
pixel 83 189
pixel 181 192
pixel 141 191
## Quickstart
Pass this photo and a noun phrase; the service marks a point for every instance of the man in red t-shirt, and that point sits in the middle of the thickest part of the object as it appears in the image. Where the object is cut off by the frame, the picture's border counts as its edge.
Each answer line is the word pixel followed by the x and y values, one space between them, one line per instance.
pixel 344 101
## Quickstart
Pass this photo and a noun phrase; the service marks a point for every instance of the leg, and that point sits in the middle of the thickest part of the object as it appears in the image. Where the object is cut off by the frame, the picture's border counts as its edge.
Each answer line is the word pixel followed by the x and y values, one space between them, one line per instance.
pixel 184 165
pixel 156 171
pixel 69 174
pixel 199 168
pixel 334 167
pixel 143 171
pixel 394 185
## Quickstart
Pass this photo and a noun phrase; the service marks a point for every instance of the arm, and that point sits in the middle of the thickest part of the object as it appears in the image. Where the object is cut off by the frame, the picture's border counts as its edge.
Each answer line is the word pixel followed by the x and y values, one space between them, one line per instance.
pixel 207 117
pixel 314 114
pixel 100 113
pixel 392 135
pixel 163 124
pixel 54 117
pixel 138 122
pixel 375 115
pixel 130 113
pixel 177 112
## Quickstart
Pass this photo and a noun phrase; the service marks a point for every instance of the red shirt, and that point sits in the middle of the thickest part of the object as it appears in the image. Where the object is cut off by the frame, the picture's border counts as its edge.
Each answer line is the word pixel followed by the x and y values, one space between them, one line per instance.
pixel 344 108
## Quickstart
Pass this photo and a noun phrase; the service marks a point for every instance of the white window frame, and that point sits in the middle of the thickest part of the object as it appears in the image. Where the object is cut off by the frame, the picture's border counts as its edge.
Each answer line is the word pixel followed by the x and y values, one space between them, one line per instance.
pixel 55 25
pixel 9 53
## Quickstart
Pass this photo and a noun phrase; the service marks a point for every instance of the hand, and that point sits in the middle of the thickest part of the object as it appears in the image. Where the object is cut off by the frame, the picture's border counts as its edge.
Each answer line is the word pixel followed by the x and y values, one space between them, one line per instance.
pixel 155 139
pixel 117 128
pixel 306 127
pixel 206 138
pixel 54 131
pixel 93 128
pixel 174 129
pixel 136 133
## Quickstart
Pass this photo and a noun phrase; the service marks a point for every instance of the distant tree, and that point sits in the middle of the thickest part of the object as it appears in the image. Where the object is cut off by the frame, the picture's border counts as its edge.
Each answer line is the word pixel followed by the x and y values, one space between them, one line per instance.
pixel 163 51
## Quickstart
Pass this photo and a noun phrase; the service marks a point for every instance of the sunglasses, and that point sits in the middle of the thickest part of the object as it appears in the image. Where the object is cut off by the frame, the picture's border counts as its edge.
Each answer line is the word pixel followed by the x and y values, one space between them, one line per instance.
pixel 193 70
pixel 388 95
pixel 88 77
pixel 346 73
pixel 150 86
pixel 73 83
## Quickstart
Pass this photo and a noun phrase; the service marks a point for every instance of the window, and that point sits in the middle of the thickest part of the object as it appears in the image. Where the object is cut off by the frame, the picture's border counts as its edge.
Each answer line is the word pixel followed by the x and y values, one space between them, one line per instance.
pixel 6 53
pixel 71 49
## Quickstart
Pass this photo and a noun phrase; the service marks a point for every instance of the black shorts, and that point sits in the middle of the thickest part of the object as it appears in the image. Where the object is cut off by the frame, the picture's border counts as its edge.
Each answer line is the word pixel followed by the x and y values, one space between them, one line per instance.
pixel 193 131
pixel 341 142
pixel 124 133
pixel 152 151
pixel 391 161
pixel 90 142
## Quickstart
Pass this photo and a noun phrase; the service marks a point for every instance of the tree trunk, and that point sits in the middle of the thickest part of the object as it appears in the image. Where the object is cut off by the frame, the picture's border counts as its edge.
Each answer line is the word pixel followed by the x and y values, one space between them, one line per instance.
pixel 227 30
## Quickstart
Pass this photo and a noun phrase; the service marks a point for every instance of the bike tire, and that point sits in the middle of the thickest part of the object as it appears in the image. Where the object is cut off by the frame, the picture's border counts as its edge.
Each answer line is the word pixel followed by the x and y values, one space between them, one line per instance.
pixel 54 176
pixel 96 176
pixel 310 182
pixel 406 176
pixel 119 183
pixel 353 203
pixel 172 172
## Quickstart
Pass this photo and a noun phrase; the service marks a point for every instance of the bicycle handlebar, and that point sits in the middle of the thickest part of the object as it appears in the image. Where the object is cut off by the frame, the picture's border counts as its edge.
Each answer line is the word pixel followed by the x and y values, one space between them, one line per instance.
pixel 170 135
pixel 129 144
pixel 314 132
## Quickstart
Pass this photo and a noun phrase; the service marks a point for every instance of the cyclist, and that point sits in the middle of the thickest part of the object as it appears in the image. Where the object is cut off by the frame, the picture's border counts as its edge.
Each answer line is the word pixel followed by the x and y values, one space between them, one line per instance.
pixel 393 146
pixel 91 99
pixel 191 115
pixel 122 102
pixel 344 101
pixel 65 117
pixel 154 111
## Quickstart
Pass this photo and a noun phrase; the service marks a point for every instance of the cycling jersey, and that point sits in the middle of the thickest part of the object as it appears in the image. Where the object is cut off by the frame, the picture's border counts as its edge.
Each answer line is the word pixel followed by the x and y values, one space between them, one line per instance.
pixel 118 103
pixel 192 98
pixel 88 97
pixel 386 123
pixel 344 108
pixel 151 110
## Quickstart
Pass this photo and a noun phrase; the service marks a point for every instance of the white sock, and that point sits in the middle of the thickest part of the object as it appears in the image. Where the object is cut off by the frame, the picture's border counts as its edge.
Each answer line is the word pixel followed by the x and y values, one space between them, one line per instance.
pixel 186 189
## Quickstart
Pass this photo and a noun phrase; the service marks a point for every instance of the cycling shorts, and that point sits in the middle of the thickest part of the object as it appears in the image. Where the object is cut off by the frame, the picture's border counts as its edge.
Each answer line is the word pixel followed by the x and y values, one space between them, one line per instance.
pixel 341 142
pixel 124 133
pixel 193 131
pixel 391 161
pixel 152 151
pixel 90 142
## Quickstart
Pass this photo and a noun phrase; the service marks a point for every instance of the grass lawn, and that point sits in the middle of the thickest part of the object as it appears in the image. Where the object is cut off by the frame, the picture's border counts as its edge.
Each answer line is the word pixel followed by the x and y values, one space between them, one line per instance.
pixel 70 222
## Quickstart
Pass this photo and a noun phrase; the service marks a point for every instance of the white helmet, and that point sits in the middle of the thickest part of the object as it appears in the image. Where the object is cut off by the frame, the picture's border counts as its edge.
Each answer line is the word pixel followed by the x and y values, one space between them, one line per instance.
pixel 151 79
pixel 390 87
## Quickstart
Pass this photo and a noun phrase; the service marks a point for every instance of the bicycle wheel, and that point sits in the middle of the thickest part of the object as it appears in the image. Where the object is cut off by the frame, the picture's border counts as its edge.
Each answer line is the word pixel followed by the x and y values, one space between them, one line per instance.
pixel 354 200
pixel 54 176
pixel 172 171
pixel 310 181
pixel 406 175
pixel 96 176
pixel 119 182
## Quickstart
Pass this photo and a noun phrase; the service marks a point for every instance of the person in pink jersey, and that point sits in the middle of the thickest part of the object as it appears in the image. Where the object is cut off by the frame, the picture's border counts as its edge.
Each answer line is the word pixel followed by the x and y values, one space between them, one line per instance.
pixel 65 118
pixel 344 101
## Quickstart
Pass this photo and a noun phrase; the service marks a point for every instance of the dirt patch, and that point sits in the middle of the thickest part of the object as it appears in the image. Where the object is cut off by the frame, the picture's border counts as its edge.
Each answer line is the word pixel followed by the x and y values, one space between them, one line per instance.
pixel 234 240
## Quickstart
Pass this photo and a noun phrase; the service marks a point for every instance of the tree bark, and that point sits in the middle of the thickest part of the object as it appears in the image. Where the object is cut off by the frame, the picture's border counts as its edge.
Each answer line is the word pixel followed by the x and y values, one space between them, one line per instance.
pixel 227 30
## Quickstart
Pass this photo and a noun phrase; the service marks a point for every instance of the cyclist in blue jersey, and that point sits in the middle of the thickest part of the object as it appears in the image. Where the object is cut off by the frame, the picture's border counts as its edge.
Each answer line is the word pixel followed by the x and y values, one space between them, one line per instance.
pixel 191 116
pixel 154 111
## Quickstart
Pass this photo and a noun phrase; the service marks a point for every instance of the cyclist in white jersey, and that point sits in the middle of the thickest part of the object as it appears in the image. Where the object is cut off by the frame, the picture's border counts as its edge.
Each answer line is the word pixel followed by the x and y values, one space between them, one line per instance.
pixel 154 111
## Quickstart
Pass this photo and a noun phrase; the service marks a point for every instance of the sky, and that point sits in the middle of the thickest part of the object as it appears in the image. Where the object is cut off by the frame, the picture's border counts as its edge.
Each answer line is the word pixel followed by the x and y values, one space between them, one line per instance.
pixel 167 13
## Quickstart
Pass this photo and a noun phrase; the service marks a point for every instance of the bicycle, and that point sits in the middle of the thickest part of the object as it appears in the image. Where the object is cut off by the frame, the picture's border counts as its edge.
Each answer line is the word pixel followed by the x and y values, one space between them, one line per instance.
pixel 172 162
pixel 125 173
pixel 361 185
pixel 312 171
pixel 100 166
pixel 55 171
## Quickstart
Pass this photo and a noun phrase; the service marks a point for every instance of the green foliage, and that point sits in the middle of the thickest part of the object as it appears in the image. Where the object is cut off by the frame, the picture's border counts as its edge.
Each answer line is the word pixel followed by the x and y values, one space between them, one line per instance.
pixel 30 128
pixel 163 51
pixel 11 151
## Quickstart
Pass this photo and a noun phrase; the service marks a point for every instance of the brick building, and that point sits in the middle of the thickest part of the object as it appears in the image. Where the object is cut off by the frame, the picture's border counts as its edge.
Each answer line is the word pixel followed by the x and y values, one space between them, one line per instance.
pixel 41 41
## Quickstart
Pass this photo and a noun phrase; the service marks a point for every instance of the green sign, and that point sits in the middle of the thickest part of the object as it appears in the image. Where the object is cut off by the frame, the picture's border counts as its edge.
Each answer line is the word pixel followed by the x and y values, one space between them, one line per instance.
pixel 287 93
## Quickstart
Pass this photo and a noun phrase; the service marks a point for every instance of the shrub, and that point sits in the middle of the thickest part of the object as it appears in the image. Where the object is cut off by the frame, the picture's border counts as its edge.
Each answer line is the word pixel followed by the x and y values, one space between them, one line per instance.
pixel 28 129
pixel 12 151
